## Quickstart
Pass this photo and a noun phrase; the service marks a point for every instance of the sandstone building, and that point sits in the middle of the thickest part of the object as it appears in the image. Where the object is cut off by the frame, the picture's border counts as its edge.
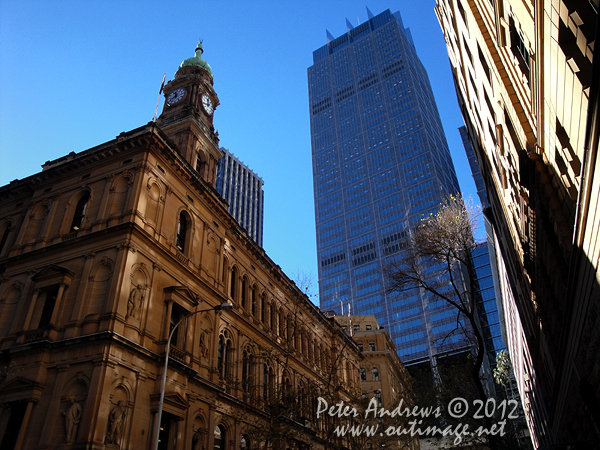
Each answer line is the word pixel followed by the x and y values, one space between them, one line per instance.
pixel 382 375
pixel 104 252
pixel 528 88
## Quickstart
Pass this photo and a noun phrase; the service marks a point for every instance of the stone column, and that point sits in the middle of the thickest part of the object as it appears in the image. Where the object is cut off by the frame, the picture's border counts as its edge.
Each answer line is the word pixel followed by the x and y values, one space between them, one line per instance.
pixel 23 430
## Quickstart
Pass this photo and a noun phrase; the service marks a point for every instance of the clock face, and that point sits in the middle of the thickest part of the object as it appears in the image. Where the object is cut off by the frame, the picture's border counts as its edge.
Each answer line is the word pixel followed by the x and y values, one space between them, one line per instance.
pixel 175 96
pixel 207 104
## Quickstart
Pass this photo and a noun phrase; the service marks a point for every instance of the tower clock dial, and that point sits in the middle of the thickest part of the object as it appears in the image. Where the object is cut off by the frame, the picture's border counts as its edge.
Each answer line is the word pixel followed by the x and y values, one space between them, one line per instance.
pixel 207 104
pixel 175 96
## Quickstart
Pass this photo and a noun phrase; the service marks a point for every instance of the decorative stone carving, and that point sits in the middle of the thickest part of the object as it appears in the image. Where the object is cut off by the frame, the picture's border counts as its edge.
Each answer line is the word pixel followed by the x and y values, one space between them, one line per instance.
pixel 198 440
pixel 115 424
pixel 135 301
pixel 72 419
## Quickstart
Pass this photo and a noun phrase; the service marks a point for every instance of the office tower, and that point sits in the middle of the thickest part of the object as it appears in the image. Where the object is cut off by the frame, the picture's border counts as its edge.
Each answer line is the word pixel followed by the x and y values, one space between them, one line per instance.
pixel 529 90
pixel 380 164
pixel 242 189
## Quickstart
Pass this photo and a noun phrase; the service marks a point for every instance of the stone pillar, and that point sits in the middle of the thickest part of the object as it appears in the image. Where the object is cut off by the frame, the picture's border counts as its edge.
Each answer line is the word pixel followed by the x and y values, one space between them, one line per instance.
pixel 53 413
pixel 23 430
pixel 32 308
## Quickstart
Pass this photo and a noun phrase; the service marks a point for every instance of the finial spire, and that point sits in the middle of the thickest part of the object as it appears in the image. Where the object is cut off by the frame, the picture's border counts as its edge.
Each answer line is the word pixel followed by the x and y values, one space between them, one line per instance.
pixel 197 59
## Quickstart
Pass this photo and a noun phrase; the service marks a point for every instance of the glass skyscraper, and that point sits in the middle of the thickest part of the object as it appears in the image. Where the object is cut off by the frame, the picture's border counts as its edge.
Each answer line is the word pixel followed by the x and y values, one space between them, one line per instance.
pixel 380 164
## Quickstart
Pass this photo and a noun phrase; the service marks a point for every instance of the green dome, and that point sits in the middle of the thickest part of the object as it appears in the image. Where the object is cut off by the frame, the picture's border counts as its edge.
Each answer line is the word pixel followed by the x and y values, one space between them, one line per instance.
pixel 197 60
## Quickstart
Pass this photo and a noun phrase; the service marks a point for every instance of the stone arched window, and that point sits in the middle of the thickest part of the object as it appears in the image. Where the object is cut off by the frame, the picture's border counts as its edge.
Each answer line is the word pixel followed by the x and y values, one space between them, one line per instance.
pixel 243 293
pixel 247 363
pixel 273 317
pixel 282 324
pixel 245 442
pixel 378 397
pixel 183 231
pixel 79 212
pixel 375 374
pixel 224 356
pixel 286 384
pixel 253 305
pixel 267 382
pixel 232 283
pixel 219 438
pixel 4 231
pixel 263 308
pixel 363 375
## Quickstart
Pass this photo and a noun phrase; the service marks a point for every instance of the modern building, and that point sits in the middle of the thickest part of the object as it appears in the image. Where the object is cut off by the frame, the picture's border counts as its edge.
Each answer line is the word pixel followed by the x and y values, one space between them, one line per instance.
pixel 528 87
pixel 243 190
pixel 110 254
pixel 475 171
pixel 380 164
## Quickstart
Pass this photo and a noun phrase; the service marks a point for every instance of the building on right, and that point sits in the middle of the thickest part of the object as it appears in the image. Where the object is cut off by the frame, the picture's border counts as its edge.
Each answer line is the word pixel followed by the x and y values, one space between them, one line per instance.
pixel 528 89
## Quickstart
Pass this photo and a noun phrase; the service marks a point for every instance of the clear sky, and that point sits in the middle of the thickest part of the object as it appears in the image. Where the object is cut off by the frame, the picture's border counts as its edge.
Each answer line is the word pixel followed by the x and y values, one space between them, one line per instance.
pixel 75 74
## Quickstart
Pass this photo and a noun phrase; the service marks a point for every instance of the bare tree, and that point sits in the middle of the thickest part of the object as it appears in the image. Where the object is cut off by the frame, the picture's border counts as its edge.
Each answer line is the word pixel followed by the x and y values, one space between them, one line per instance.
pixel 445 240
pixel 306 282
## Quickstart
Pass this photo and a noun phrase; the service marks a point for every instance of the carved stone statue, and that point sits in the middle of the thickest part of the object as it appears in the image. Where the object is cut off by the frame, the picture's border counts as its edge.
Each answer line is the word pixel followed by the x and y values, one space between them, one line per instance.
pixel 72 419
pixel 134 302
pixel 115 423
pixel 204 345
pixel 197 441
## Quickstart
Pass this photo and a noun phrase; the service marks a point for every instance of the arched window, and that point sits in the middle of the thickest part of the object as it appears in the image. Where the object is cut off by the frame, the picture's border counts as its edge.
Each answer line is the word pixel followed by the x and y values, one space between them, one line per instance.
pixel 263 308
pixel 378 397
pixel 375 374
pixel 253 301
pixel 219 440
pixel 80 212
pixel 223 356
pixel 245 443
pixel 282 324
pixel 246 369
pixel 267 382
pixel 363 375
pixel 182 228
pixel 287 388
pixel 4 236
pixel 273 318
pixel 232 283
pixel 243 293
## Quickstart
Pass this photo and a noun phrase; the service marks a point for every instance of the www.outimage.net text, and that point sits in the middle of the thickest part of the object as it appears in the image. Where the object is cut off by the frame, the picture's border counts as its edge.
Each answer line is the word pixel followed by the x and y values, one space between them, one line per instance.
pixel 457 408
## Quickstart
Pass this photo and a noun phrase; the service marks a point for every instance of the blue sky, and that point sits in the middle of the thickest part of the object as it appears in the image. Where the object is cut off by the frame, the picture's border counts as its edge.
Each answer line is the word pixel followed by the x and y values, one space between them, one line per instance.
pixel 75 74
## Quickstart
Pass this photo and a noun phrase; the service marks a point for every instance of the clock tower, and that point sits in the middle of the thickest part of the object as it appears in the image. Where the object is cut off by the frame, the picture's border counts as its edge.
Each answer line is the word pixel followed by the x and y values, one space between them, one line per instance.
pixel 187 115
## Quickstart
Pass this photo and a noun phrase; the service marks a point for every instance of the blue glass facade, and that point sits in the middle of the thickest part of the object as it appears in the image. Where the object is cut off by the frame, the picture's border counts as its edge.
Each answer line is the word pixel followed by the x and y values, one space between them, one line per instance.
pixel 477 177
pixel 380 163
pixel 487 306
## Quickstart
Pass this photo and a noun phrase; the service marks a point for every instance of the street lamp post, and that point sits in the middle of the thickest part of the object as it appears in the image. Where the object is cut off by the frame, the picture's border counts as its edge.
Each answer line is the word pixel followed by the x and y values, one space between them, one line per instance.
pixel 227 306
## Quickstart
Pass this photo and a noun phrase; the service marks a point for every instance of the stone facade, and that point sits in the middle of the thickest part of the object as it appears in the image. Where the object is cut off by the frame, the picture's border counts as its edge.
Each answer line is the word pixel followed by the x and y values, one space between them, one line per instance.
pixel 382 375
pixel 103 253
